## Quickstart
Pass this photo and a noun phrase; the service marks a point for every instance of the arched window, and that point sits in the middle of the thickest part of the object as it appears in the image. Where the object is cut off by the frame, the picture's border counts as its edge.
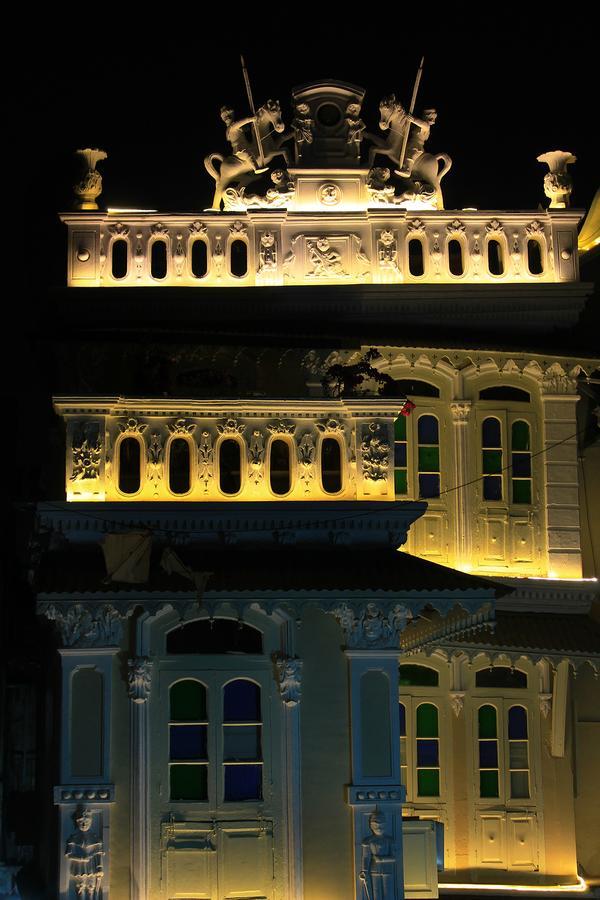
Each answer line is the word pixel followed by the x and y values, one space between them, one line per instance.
pixel 520 463
pixel 158 259
pixel 428 751
pixel 505 392
pixel 491 444
pixel 535 260
pixel 238 258
pixel 199 258
pixel 119 258
pixel 242 741
pixel 418 676
pixel 489 765
pixel 279 466
pixel 331 466
pixel 416 263
pixel 500 677
pixel 455 257
pixel 129 465
pixel 215 636
pixel 179 466
pixel 495 257
pixel 428 457
pixel 230 466
pixel 188 742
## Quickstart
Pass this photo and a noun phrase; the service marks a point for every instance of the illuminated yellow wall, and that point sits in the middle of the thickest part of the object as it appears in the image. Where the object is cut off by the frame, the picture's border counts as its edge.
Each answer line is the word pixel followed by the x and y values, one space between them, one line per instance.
pixel 326 818
pixel 586 691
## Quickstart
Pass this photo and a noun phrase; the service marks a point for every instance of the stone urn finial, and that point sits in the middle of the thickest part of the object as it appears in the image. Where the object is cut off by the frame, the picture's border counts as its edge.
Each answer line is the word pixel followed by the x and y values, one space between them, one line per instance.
pixel 557 182
pixel 90 187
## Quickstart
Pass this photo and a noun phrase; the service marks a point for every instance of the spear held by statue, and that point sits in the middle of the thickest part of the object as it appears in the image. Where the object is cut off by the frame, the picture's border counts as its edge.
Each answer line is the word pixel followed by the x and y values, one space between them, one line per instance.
pixel 261 157
pixel 399 171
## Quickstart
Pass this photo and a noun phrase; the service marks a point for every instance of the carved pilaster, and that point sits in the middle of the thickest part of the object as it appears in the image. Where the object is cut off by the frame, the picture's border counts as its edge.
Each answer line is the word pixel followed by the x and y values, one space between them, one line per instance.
pixel 461 410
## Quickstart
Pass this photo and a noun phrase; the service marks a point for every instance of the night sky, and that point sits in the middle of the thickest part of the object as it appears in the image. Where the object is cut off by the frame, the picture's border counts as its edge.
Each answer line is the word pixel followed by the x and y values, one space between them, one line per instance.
pixel 505 92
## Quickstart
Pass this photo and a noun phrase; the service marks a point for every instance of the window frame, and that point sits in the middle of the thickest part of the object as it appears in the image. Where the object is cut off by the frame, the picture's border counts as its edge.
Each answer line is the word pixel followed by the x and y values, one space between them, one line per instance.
pixel 413 696
pixel 507 417
pixel 502 702
pixel 426 406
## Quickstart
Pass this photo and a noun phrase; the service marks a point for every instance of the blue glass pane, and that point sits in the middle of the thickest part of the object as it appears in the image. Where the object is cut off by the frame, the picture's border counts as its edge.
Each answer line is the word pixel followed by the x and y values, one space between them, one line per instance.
pixel 491 435
pixel 241 701
pixel 188 742
pixel 521 465
pixel 428 430
pixel 492 487
pixel 488 754
pixel 243 783
pixel 402 712
pixel 429 486
pixel 427 753
pixel 399 455
pixel 517 723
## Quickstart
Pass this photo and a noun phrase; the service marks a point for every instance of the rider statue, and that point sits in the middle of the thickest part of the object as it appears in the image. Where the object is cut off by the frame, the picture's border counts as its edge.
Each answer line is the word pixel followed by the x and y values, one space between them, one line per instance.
pixel 234 132
pixel 416 139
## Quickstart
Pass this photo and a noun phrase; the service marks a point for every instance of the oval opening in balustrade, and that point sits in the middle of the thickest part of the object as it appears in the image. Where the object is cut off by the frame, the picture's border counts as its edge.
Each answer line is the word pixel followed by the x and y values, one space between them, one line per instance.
pixel 455 257
pixel 280 467
pixel 119 258
pixel 238 258
pixel 535 263
pixel 199 258
pixel 129 466
pixel 158 260
pixel 179 466
pixel 495 257
pixel 331 466
pixel 416 263
pixel 230 466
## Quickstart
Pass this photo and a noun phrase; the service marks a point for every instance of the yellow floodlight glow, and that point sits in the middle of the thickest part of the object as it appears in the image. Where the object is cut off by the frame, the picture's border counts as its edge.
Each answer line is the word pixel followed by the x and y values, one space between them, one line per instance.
pixel 552 576
pixel 580 887
pixel 114 211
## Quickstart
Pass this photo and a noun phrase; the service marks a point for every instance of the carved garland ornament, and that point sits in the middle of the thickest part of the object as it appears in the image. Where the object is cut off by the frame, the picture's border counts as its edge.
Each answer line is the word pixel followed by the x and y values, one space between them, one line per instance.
pixel 205 460
pixel 84 627
pixel 181 426
pixel 132 426
pixel 375 450
pixel 86 460
pixel 306 461
pixel 231 426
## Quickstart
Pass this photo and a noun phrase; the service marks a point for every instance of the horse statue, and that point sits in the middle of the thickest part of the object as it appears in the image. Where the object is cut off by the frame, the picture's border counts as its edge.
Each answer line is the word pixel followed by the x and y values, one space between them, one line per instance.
pixel 423 169
pixel 239 166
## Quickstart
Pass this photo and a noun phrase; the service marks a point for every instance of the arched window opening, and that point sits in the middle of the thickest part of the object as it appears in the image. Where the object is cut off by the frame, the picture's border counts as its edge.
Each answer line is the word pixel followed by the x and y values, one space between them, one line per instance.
pixel 129 465
pixel 455 257
pixel 412 387
pixel 489 772
pixel 418 676
pixel 242 743
pixel 518 753
pixel 500 677
pixel 331 466
pixel 535 262
pixel 428 457
pixel 279 469
pixel 238 258
pixel 495 257
pixel 215 636
pixel 491 443
pixel 119 262
pixel 179 466
pixel 199 256
pixel 416 263
pixel 428 751
pixel 400 457
pixel 505 392
pixel 230 466
pixel 158 260
pixel 520 463
pixel 188 742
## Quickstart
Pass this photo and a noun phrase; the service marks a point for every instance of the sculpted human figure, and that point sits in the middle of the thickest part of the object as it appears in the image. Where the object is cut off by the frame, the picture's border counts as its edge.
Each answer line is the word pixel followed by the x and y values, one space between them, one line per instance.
pixel 355 126
pixel 416 139
pixel 302 126
pixel 84 852
pixel 234 132
pixel 325 259
pixel 378 862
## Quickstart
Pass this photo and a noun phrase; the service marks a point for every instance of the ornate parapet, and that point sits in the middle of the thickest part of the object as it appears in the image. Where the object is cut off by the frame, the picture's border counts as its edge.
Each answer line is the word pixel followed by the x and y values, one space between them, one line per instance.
pixel 333 230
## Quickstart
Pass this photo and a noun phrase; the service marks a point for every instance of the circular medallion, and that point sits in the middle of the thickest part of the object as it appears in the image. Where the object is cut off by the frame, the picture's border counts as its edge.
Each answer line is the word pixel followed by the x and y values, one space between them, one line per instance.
pixel 329 194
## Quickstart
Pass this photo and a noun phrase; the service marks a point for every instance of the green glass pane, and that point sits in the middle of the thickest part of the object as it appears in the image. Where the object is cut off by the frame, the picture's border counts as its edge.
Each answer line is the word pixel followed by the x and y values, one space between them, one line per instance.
pixel 427 720
pixel 520 436
pixel 189 783
pixel 487 722
pixel 400 481
pixel 428 783
pixel 521 491
pixel 400 428
pixel 488 784
pixel 418 676
pixel 188 701
pixel 429 459
pixel 492 462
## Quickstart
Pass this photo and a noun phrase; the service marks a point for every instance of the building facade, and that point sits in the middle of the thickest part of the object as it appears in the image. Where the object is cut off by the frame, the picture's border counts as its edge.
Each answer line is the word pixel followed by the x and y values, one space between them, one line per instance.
pixel 324 622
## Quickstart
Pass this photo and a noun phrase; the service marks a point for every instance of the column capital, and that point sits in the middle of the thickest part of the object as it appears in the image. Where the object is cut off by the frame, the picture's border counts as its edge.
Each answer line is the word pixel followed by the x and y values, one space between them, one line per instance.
pixel 84 625
pixel 460 410
pixel 139 678
pixel 557 382
pixel 375 627
pixel 289 676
